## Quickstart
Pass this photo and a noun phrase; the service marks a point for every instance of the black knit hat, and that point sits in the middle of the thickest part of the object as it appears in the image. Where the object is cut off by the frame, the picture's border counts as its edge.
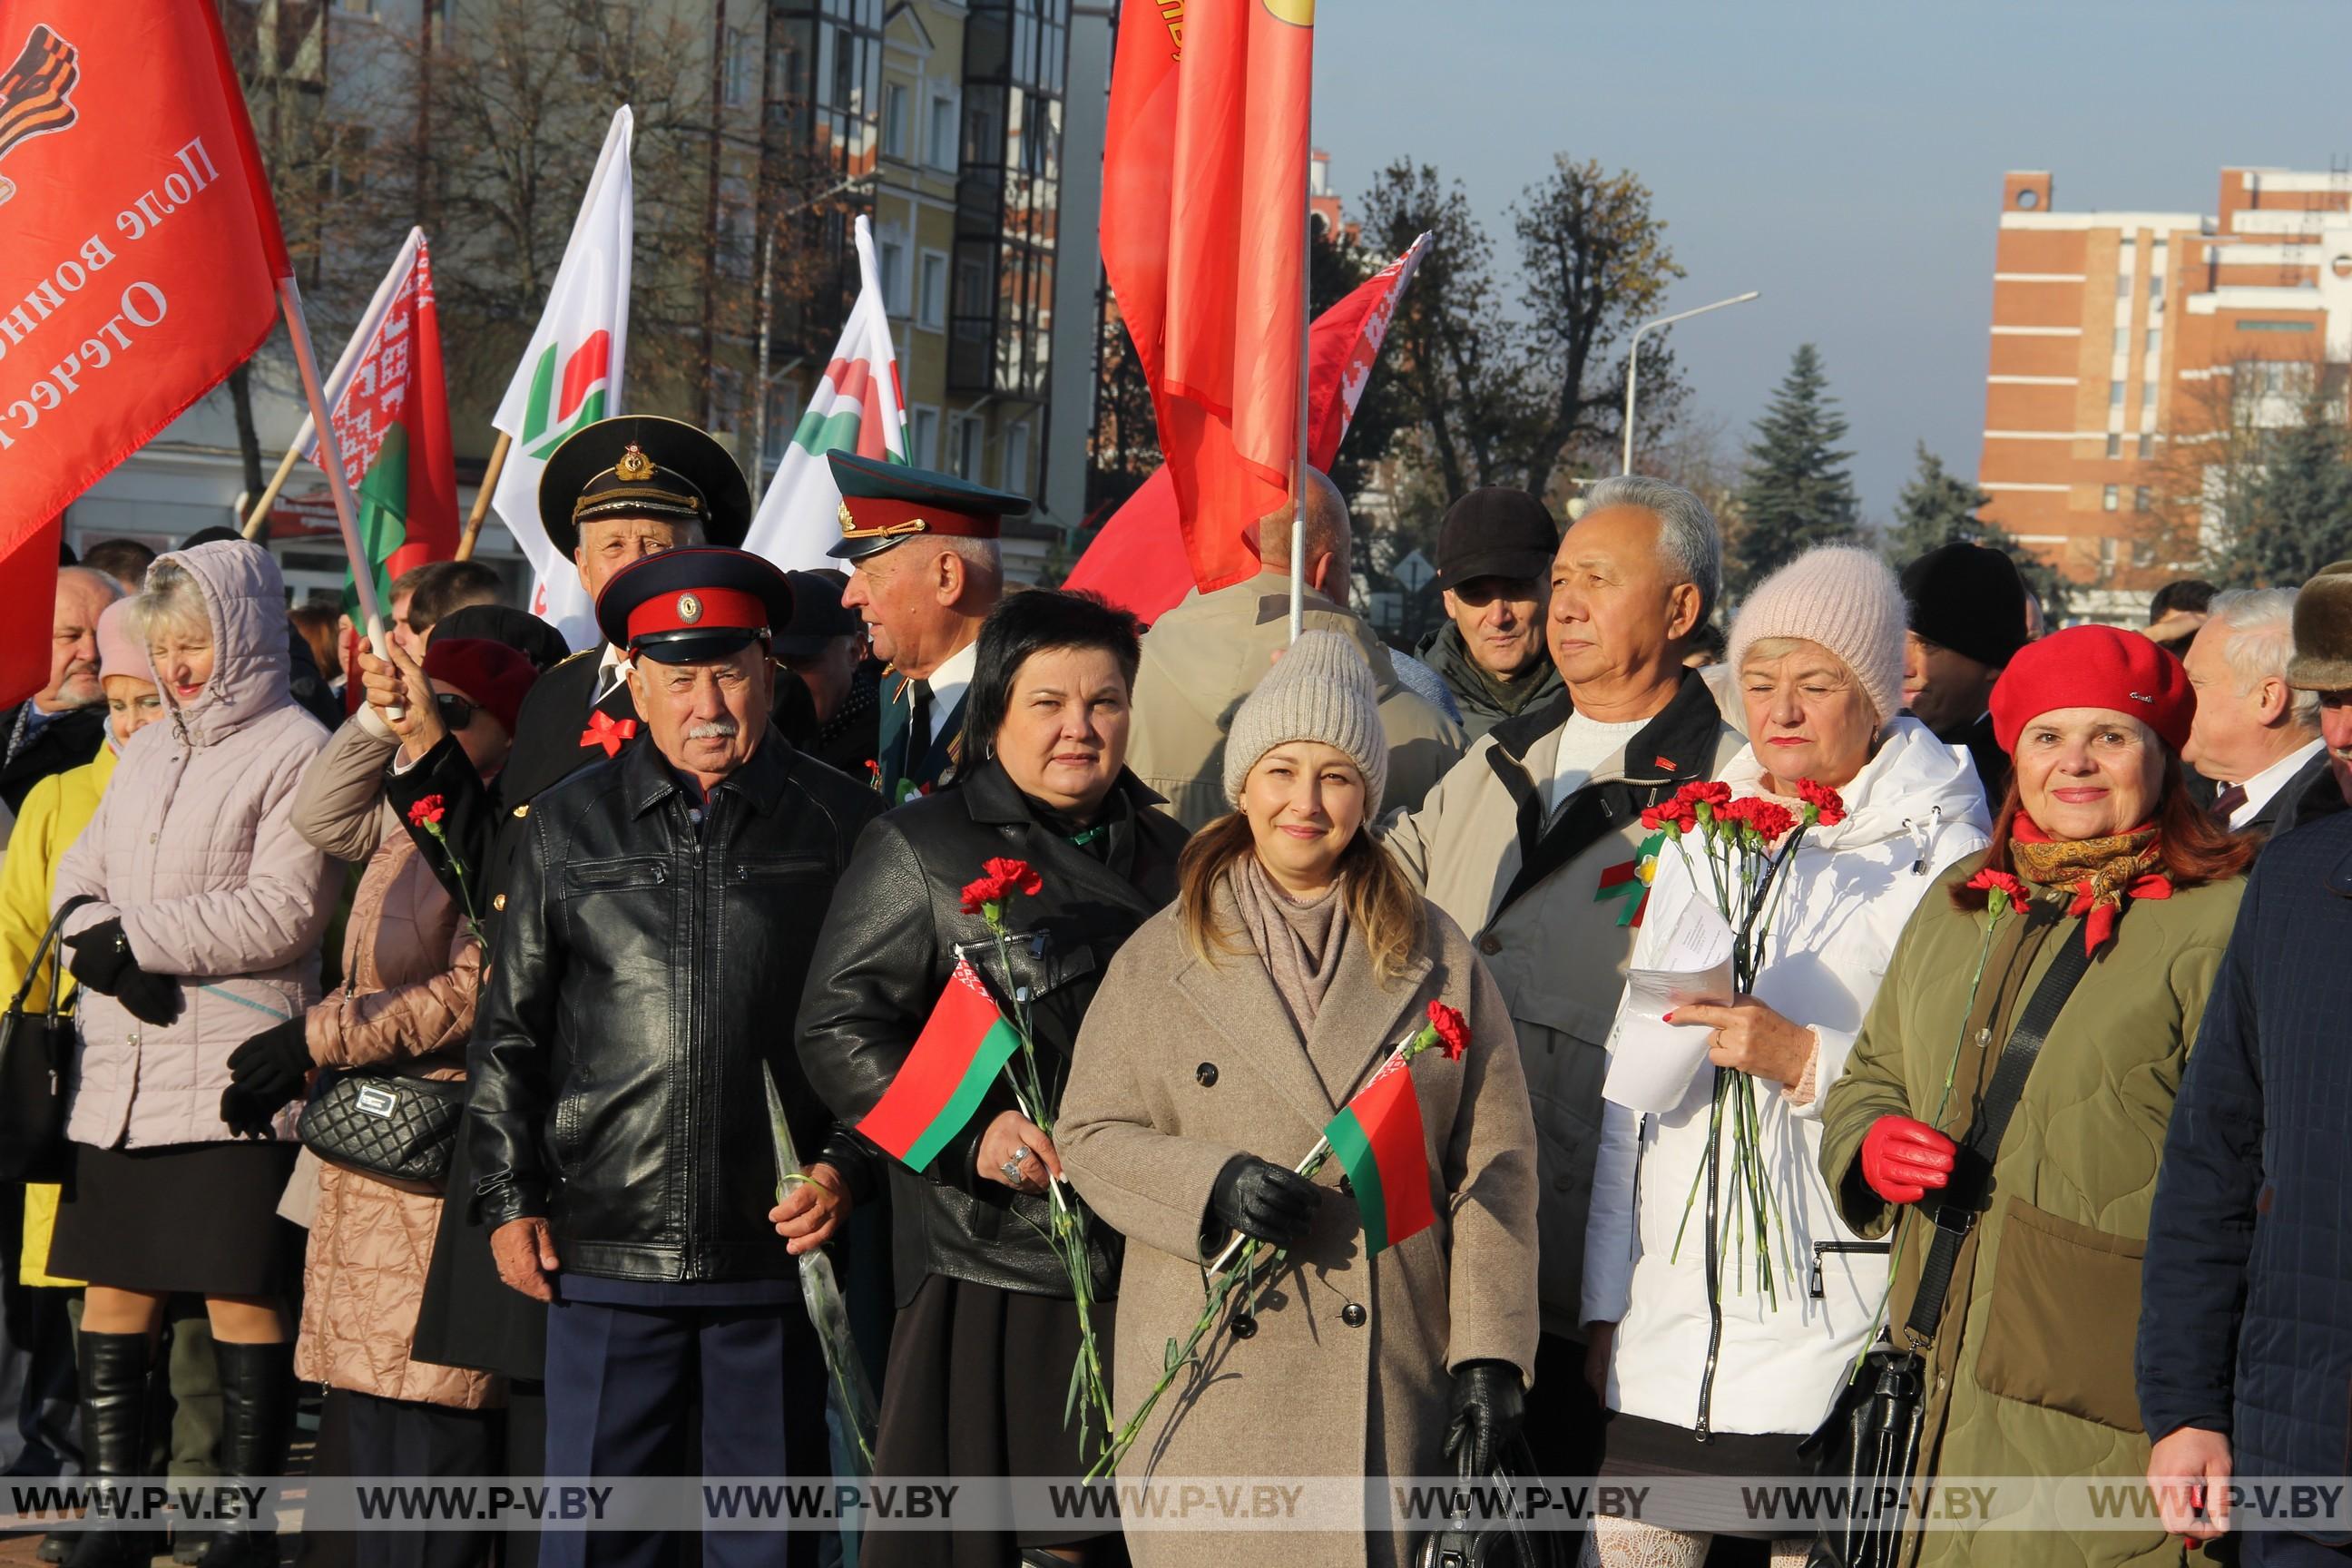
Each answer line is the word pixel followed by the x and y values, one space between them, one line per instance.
pixel 1969 598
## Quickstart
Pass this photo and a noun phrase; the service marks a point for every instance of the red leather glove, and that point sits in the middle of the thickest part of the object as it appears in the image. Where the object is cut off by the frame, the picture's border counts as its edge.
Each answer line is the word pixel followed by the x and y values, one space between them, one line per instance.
pixel 1904 1160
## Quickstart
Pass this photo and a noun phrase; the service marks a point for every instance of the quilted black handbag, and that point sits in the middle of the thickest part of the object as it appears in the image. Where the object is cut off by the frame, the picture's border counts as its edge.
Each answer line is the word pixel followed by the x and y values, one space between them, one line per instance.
pixel 36 1062
pixel 396 1128
pixel 1870 1444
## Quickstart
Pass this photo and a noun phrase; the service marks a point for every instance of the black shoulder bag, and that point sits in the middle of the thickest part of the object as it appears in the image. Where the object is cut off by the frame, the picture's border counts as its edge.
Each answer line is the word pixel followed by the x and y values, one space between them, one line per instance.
pixel 36 1060
pixel 1870 1442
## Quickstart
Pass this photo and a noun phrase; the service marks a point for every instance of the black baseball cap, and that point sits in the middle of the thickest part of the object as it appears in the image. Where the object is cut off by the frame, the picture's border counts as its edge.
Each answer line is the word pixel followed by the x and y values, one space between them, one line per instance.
pixel 1496 531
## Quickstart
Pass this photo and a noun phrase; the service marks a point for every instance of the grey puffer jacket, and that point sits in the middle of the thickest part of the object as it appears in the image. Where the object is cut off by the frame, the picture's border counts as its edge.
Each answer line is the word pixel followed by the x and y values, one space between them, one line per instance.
pixel 194 849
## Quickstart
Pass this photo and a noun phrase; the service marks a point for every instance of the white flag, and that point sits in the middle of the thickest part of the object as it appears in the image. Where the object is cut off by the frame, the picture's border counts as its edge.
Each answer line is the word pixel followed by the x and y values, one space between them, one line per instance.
pixel 858 406
pixel 571 377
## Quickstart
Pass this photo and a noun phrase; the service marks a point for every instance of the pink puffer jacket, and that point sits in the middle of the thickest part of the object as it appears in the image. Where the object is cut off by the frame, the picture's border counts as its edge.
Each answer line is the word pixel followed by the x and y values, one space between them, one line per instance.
pixel 194 848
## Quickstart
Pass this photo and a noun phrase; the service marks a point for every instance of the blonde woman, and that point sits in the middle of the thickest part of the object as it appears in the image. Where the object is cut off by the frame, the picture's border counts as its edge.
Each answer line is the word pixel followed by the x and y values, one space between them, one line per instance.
pixel 1229 1031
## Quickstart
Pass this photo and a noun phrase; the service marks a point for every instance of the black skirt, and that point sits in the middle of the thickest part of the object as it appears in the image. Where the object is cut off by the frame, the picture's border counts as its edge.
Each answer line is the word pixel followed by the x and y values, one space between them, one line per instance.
pixel 194 1218
pixel 978 1376
pixel 1638 1448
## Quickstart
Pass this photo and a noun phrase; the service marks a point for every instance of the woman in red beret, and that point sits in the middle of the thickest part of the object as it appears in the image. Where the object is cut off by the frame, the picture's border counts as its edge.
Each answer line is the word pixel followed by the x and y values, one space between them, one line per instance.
pixel 2103 866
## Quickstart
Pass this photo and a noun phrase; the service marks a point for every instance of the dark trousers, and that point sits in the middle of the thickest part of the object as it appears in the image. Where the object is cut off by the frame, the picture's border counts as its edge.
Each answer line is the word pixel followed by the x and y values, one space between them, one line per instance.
pixel 1564 1423
pixel 620 1382
pixel 2278 1549
pixel 406 1438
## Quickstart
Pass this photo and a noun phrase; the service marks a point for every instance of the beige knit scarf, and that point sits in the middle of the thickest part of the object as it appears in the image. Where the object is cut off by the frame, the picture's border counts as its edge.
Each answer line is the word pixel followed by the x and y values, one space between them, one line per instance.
pixel 1300 941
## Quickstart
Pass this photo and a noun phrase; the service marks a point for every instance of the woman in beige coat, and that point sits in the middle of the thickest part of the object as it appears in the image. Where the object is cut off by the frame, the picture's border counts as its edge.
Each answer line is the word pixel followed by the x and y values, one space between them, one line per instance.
pixel 1229 1031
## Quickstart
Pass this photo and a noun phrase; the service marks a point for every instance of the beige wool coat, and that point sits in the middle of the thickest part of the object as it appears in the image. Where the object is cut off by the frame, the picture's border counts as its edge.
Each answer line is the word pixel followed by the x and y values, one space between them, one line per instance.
pixel 1183 1064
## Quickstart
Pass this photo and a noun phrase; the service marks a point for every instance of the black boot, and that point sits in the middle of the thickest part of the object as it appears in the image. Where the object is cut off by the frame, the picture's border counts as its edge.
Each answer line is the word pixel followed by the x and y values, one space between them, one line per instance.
pixel 114 1447
pixel 257 1408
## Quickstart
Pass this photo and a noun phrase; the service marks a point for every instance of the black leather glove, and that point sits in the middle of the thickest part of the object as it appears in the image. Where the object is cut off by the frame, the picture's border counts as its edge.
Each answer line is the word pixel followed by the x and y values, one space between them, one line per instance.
pixel 264 1073
pixel 102 961
pixel 1260 1198
pixel 1490 1401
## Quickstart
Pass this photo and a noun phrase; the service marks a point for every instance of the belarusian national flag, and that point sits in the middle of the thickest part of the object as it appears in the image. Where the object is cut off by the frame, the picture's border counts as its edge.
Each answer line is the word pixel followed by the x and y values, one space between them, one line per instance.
pixel 858 406
pixel 392 427
pixel 1378 1137
pixel 943 1079
pixel 571 376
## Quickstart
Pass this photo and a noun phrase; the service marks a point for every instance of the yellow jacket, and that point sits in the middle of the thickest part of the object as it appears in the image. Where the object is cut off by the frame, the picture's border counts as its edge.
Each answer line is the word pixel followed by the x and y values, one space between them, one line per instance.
pixel 55 812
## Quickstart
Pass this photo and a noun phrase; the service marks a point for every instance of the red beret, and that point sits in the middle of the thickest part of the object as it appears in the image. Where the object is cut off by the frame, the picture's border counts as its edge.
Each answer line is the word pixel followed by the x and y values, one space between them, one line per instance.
pixel 494 675
pixel 2094 667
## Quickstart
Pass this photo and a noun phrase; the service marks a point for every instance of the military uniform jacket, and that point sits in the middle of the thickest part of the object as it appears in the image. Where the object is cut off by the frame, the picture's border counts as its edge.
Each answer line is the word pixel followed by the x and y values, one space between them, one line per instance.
pixel 901 776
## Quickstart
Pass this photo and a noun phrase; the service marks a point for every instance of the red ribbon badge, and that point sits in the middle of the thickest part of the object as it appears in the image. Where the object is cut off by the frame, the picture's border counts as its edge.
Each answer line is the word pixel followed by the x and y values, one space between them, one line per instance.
pixel 607 731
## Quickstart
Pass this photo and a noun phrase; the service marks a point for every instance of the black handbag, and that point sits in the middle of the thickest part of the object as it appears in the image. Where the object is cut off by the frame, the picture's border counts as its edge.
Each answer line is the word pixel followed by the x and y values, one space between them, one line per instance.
pixel 396 1128
pixel 1869 1445
pixel 36 1068
pixel 1462 1541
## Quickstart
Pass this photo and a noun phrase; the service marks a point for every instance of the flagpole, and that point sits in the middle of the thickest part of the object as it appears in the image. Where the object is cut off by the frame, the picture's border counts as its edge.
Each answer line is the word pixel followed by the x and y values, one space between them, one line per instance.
pixel 1299 470
pixel 289 297
pixel 490 472
pixel 269 494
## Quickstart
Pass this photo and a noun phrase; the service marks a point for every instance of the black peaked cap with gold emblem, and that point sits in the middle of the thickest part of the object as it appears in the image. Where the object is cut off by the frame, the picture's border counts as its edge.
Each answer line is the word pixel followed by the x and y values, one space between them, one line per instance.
pixel 883 504
pixel 702 602
pixel 643 465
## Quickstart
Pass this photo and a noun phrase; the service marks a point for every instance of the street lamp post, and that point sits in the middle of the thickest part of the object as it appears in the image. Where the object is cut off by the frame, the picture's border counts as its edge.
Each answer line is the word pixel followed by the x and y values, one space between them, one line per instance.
pixel 766 315
pixel 1634 361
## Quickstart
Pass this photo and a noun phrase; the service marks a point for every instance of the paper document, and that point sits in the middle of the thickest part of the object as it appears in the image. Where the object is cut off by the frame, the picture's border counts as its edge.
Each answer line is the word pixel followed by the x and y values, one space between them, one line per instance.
pixel 1651 1061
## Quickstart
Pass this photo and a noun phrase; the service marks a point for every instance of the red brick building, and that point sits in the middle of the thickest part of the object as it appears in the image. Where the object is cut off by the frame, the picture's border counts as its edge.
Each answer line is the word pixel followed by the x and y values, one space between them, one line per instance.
pixel 2127 349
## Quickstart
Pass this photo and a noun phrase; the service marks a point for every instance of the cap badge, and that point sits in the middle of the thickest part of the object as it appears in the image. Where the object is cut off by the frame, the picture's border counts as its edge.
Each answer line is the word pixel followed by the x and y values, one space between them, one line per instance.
pixel 633 465
pixel 690 608
pixel 848 524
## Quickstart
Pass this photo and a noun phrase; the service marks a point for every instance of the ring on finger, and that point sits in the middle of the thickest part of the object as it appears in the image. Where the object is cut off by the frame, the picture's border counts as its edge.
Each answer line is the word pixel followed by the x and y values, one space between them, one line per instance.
pixel 1012 1173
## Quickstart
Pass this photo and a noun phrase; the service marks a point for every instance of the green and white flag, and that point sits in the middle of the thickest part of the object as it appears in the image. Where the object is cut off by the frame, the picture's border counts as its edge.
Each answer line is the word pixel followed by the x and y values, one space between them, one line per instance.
pixel 571 377
pixel 857 406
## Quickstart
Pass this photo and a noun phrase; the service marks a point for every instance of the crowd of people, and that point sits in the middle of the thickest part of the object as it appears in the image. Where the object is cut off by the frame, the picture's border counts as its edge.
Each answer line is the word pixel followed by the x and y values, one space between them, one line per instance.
pixel 429 1002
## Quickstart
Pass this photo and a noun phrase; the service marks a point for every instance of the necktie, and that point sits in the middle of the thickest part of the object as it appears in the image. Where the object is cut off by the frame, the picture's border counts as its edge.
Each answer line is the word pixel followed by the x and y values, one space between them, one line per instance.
pixel 919 728
pixel 2228 801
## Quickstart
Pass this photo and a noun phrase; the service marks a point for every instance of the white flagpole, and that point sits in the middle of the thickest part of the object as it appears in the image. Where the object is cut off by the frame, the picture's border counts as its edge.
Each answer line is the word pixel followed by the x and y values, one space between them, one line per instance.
pixel 290 296
pixel 1299 470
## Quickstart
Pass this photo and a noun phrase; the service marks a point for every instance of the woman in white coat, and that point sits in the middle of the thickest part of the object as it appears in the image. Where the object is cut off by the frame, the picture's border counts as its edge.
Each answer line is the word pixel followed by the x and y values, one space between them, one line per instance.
pixel 1729 1388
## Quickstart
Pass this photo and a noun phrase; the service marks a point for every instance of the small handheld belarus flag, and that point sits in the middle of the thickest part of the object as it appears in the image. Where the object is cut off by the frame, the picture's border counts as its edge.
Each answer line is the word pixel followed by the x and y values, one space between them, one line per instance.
pixel 943 1079
pixel 1378 1137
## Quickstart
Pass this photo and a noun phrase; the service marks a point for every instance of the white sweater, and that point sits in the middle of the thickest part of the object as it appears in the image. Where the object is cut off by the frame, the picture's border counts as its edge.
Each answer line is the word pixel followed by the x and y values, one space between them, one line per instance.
pixel 1911 811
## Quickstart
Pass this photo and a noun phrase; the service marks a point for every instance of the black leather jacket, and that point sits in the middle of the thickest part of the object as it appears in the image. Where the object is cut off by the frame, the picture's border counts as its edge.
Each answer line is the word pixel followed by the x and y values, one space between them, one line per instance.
pixel 887 951
pixel 646 970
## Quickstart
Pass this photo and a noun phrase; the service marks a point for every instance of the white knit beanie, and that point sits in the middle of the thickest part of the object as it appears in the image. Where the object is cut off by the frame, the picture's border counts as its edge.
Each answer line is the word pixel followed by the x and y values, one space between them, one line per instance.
pixel 1320 690
pixel 1843 598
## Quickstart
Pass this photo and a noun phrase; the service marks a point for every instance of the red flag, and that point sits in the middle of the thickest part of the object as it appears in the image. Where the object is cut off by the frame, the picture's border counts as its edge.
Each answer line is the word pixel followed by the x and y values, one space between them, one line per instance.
pixel 1138 557
pixel 139 252
pixel 1203 239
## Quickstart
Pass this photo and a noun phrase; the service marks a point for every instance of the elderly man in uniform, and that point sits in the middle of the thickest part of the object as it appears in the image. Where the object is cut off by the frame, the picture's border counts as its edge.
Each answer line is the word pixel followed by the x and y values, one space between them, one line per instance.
pixel 658 920
pixel 925 569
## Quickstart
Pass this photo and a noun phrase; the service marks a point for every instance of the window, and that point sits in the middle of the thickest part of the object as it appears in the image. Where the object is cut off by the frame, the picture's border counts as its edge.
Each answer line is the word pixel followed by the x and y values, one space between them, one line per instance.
pixel 2116 395
pixel 1015 474
pixel 2029 200
pixel 968 451
pixel 740 68
pixel 2123 285
pixel 726 400
pixel 890 258
pixel 897 113
pixel 2139 498
pixel 2115 446
pixel 2108 498
pixel 2147 447
pixel 931 291
pixel 2154 341
pixel 2123 335
pixel 942 144
pixel 2274 326
pixel 2156 303
pixel 924 437
pixel 2143 553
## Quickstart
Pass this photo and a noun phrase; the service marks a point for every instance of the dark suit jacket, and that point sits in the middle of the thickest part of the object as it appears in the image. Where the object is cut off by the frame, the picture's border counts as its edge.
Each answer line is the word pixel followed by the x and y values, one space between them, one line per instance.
pixel 902 777
pixel 2309 794
pixel 67 740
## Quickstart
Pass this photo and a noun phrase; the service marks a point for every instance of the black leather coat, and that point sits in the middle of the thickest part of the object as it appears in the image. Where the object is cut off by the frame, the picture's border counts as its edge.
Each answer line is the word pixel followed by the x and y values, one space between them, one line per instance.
pixel 645 971
pixel 887 951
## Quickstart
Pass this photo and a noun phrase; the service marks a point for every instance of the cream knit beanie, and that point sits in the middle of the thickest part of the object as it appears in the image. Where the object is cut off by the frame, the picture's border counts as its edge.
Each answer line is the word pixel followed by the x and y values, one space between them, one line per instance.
pixel 1846 599
pixel 1320 690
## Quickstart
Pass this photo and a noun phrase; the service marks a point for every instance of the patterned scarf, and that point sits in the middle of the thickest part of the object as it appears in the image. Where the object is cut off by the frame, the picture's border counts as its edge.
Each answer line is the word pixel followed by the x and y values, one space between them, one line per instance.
pixel 2102 872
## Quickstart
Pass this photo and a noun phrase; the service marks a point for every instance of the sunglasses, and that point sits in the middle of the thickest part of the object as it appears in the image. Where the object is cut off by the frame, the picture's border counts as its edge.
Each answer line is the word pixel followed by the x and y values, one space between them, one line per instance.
pixel 455 711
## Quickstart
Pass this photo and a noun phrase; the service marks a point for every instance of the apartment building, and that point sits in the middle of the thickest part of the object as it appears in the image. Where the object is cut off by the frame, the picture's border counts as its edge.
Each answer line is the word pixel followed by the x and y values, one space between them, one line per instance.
pixel 2128 347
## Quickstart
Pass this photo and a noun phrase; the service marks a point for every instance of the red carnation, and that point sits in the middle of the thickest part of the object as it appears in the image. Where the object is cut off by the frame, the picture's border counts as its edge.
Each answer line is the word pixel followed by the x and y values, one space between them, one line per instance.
pixel 1710 793
pixel 2000 889
pixel 1828 805
pixel 425 812
pixel 1003 878
pixel 1768 819
pixel 1453 1029
pixel 1674 816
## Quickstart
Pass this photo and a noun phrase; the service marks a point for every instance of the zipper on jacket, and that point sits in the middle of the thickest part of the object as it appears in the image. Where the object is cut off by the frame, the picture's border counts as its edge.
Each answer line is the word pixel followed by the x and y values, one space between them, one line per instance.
pixel 1822 1248
pixel 703 835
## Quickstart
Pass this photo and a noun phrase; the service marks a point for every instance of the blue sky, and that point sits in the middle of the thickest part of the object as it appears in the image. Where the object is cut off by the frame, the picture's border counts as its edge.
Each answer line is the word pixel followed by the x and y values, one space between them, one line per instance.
pixel 1844 158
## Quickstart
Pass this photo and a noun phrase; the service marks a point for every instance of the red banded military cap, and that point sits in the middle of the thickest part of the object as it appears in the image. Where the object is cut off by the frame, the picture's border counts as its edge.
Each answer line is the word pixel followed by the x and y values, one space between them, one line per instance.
pixel 700 603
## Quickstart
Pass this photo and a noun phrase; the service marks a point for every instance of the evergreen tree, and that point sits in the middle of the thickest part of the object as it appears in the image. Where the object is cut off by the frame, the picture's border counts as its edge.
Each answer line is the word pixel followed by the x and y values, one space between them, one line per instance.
pixel 1938 508
pixel 2302 513
pixel 1796 492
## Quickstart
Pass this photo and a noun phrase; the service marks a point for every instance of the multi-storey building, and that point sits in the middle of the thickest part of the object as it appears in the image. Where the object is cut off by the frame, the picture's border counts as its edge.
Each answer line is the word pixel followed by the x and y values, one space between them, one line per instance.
pixel 948 122
pixel 2129 348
